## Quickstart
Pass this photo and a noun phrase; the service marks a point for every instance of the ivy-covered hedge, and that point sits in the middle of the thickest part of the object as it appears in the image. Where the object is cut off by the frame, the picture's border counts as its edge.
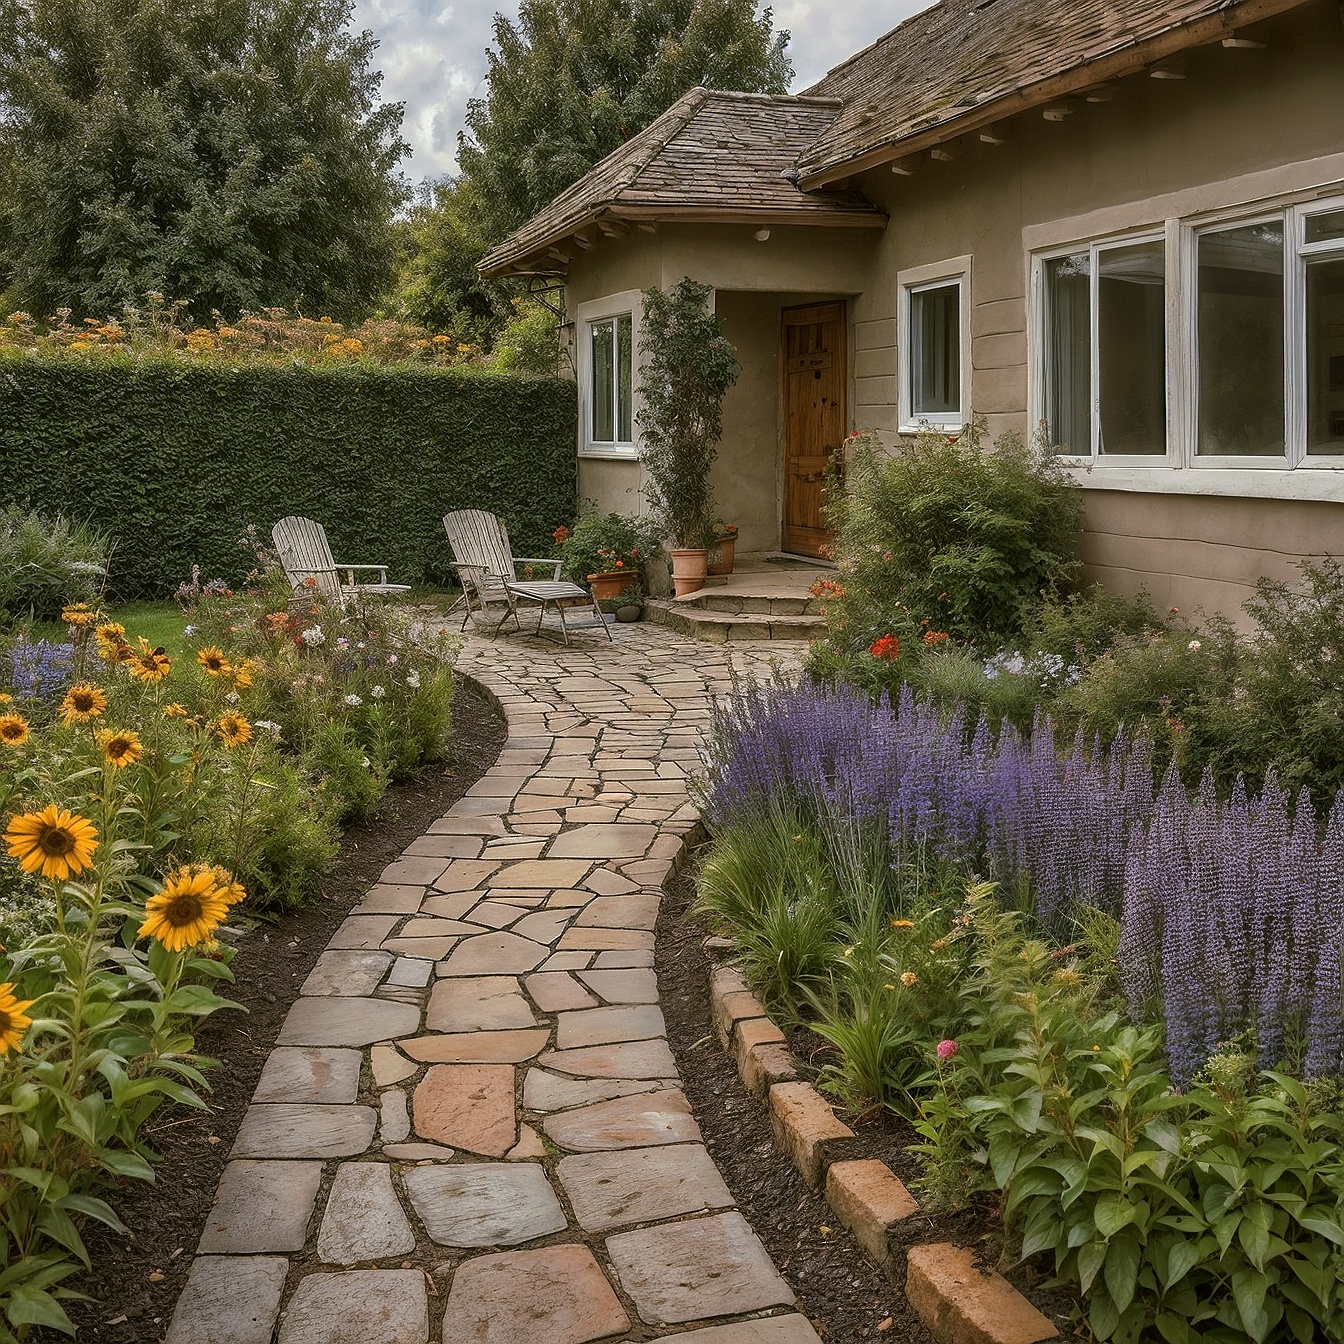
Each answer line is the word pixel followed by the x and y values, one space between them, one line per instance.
pixel 175 460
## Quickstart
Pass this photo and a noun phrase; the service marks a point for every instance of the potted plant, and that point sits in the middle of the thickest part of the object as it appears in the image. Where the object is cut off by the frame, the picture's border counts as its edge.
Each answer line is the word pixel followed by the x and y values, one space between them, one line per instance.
pixel 725 549
pixel 607 551
pixel 688 366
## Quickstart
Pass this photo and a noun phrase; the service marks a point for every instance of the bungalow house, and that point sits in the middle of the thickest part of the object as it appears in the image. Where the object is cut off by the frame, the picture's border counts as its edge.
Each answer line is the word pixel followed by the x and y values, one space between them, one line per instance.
pixel 1123 219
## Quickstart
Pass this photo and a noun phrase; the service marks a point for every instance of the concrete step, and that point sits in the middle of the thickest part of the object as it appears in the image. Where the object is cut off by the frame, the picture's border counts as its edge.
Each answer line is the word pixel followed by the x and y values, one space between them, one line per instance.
pixel 719 627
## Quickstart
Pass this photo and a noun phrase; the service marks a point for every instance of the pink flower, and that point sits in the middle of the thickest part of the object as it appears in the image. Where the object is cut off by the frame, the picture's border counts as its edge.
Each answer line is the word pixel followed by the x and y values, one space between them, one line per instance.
pixel 946 1049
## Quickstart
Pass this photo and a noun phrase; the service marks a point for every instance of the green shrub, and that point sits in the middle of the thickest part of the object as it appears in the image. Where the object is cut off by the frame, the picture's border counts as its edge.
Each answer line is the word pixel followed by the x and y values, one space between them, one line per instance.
pixel 600 542
pixel 48 563
pixel 530 342
pixel 176 458
pixel 953 536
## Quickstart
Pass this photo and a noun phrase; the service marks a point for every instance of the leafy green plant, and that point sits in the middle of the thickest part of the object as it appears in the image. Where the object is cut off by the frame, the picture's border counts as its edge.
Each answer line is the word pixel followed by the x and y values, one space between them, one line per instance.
pixel 48 563
pixel 688 366
pixel 600 542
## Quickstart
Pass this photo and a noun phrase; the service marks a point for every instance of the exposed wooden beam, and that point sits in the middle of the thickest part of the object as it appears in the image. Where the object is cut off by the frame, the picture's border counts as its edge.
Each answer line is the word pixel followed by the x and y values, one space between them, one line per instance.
pixel 1102 93
pixel 1172 68
pixel 997 134
pixel 613 228
pixel 905 167
pixel 945 153
pixel 1058 111
pixel 1244 42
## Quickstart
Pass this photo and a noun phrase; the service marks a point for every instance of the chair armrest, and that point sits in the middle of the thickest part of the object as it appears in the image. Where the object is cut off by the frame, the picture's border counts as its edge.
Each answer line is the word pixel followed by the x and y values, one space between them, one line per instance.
pixel 380 570
pixel 553 565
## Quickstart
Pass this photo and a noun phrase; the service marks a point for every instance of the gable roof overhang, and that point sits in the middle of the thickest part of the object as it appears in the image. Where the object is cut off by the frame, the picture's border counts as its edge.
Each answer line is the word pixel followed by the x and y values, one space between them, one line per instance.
pixel 712 157
pixel 893 108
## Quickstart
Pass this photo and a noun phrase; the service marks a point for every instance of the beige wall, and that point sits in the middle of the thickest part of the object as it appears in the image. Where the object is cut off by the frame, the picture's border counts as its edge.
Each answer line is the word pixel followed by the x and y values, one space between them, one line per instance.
pixel 1258 115
pixel 753 281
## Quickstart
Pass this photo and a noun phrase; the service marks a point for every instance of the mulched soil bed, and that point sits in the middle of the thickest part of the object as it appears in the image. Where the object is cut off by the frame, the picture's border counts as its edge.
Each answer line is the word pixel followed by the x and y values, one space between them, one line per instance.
pixel 136 1278
pixel 845 1296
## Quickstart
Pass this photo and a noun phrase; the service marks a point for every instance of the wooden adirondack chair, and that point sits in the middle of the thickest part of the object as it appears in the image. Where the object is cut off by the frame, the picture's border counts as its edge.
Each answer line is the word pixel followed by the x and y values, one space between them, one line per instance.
pixel 488 571
pixel 306 555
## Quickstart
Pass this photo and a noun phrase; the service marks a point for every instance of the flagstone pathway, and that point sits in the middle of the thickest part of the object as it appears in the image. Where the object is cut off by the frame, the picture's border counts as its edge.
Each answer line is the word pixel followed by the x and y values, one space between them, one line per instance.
pixel 471 1129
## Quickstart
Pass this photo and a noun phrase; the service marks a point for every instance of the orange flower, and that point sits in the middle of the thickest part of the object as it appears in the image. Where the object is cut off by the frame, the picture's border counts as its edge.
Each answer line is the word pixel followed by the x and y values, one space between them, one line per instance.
pixel 887 648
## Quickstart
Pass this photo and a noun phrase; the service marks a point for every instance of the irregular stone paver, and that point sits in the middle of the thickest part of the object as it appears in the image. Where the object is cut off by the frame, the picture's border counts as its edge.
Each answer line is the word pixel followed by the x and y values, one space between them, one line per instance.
pixel 371 1306
pixel 485 1204
pixel 261 1206
pixel 507 950
pixel 484 1003
pixel 559 1295
pixel 626 1122
pixel 364 1218
pixel 647 1185
pixel 309 1073
pixel 468 1106
pixel 696 1270
pixel 304 1131
pixel 229 1300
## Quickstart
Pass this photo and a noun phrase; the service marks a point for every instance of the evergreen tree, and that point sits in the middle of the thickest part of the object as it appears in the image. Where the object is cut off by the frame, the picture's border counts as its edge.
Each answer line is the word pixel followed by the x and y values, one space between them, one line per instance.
pixel 573 79
pixel 232 153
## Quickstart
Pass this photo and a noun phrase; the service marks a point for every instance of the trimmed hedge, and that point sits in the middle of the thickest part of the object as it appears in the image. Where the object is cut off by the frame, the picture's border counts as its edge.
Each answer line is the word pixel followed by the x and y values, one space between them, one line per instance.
pixel 174 461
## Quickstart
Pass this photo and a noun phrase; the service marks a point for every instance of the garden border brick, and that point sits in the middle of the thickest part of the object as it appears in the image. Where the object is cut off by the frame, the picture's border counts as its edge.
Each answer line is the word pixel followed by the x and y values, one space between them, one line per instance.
pixel 959 1303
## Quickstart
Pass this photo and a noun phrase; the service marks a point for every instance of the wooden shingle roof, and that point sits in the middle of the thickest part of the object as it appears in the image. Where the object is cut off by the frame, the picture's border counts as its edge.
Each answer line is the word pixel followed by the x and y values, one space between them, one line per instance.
pixel 963 63
pixel 710 156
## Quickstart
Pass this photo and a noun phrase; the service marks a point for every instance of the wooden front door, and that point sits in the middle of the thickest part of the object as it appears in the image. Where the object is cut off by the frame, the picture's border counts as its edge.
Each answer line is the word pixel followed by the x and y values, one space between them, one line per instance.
pixel 815 377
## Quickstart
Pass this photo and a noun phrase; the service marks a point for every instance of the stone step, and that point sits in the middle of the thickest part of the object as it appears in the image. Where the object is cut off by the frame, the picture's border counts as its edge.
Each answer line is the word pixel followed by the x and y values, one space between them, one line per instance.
pixel 750 604
pixel 719 627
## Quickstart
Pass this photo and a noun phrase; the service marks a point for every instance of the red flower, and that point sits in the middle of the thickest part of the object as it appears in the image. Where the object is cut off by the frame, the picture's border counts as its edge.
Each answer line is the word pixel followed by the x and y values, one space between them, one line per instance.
pixel 887 648
pixel 561 534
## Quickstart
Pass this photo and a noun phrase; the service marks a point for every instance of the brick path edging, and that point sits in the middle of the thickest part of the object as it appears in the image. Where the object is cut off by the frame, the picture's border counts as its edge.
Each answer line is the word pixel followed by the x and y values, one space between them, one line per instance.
pixel 959 1303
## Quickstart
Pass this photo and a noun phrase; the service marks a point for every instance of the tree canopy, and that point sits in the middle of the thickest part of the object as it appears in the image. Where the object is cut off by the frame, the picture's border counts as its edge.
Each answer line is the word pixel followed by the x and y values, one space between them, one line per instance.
pixel 233 153
pixel 571 80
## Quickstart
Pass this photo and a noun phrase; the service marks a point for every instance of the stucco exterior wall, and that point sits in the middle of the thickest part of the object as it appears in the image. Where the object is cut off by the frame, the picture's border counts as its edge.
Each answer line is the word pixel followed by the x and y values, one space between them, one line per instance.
pixel 1243 125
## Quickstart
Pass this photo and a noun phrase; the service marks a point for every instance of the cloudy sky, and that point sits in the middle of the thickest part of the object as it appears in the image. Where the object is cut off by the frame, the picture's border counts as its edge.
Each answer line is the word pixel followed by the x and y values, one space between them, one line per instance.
pixel 432 56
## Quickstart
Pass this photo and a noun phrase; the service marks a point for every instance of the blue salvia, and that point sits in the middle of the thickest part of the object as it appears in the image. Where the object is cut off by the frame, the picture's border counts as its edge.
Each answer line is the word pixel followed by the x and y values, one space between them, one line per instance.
pixel 1231 909
pixel 40 669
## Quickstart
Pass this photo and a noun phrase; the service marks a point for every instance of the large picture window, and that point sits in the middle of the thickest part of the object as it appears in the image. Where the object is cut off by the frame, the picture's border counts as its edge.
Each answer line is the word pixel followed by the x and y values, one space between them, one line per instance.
pixel 934 337
pixel 1218 343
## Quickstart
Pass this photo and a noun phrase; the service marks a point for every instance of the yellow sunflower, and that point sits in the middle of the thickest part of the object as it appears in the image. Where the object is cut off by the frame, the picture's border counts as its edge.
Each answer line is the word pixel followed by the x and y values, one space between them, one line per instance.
pixel 13 730
pixel 13 1021
pixel 80 614
pixel 121 747
pixel 233 729
pixel 56 843
pixel 228 888
pixel 175 711
pixel 242 674
pixel 186 912
pixel 148 663
pixel 214 661
pixel 110 639
pixel 83 701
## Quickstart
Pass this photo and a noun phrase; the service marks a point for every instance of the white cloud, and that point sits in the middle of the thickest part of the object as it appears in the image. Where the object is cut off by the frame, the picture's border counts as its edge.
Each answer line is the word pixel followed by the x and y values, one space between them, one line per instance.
pixel 433 57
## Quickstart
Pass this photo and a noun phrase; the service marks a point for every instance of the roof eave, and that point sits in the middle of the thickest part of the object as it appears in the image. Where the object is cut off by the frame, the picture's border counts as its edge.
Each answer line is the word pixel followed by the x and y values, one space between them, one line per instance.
pixel 1126 61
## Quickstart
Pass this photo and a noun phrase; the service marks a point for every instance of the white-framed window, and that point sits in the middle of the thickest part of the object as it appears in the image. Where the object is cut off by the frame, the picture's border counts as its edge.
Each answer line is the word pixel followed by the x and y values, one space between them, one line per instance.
pixel 1215 341
pixel 608 335
pixel 934 340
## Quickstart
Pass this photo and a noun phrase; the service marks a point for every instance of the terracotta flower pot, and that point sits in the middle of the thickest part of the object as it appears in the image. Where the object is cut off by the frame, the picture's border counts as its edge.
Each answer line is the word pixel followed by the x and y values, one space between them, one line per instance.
pixel 611 583
pixel 727 547
pixel 688 570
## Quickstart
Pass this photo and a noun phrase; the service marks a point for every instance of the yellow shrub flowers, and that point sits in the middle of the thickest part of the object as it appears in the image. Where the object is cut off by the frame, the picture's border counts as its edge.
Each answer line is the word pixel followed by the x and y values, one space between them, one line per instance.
pixel 83 701
pixel 121 747
pixel 148 663
pixel 55 843
pixel 13 1020
pixel 188 910
pixel 80 614
pixel 13 730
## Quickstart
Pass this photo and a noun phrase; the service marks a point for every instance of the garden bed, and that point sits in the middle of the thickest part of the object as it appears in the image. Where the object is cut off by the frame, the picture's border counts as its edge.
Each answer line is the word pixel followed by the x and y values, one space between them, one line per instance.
pixel 136 1278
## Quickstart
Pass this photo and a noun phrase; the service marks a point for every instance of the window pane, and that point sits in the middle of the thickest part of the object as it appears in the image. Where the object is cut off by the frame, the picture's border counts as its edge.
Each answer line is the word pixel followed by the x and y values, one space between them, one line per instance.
pixel 603 340
pixel 1325 356
pixel 935 351
pixel 1068 352
pixel 1326 228
pixel 1241 341
pixel 1131 347
pixel 623 372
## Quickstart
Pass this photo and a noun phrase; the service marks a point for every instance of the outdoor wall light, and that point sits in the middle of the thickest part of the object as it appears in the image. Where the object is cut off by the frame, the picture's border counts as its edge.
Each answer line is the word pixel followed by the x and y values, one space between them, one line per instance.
pixel 762 235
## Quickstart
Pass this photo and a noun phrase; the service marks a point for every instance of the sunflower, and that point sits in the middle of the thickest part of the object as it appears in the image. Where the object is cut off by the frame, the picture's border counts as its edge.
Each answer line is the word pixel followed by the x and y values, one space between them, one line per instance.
pixel 83 702
pixel 227 887
pixel 187 911
pixel 175 711
pixel 233 729
pixel 242 674
pixel 214 662
pixel 121 747
pixel 13 730
pixel 148 663
pixel 111 641
pixel 80 614
pixel 13 1021
pixel 56 843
